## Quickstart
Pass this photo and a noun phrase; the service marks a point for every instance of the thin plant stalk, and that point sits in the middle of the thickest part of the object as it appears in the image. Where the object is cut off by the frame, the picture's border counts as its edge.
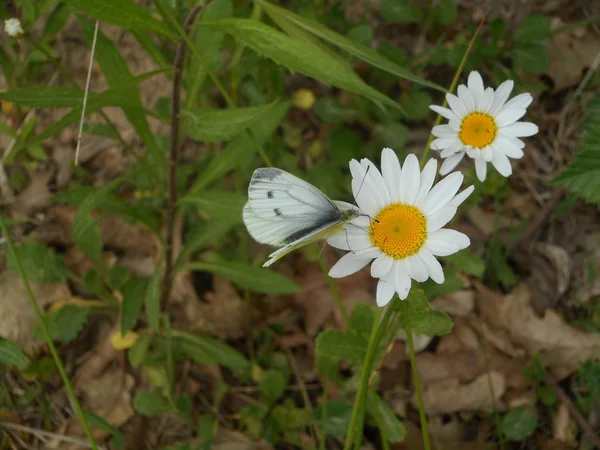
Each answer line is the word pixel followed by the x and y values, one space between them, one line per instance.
pixel 48 339
pixel 452 88
pixel 418 390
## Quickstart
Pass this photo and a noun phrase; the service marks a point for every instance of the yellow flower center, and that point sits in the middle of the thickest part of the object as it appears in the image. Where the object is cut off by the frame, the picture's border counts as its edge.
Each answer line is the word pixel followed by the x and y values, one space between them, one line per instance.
pixel 478 130
pixel 399 230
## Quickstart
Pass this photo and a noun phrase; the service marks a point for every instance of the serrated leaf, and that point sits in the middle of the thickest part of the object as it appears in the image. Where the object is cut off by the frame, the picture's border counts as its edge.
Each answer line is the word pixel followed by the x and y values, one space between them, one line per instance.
pixel 298 56
pixel 66 323
pixel 400 11
pixel 582 175
pixel 150 403
pixel 533 28
pixel 220 205
pixel 335 345
pixel 272 385
pixel 40 262
pixel 519 423
pixel 137 353
pixel 134 292
pixel 205 350
pixel 337 417
pixel 358 50
pixel 215 125
pixel 122 13
pixel 361 318
pixel 430 323
pixel 391 428
pixel 452 283
pixel 257 279
pixel 11 354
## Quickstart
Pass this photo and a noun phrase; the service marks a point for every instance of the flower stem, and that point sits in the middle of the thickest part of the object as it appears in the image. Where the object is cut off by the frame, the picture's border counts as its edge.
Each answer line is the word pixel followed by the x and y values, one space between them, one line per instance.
pixel 417 382
pixel 48 339
pixel 452 88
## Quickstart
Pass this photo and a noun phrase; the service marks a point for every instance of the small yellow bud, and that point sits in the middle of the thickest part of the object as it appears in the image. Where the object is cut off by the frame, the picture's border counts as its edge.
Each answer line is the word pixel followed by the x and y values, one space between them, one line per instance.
pixel 304 99
pixel 121 342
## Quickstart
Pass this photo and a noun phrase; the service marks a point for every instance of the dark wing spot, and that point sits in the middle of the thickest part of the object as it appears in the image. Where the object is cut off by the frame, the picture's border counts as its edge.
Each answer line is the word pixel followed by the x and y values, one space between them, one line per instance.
pixel 277 211
pixel 270 194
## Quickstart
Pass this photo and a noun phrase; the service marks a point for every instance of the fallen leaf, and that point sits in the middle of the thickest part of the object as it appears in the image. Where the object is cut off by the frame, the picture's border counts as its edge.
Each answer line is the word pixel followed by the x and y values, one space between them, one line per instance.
pixel 450 395
pixel 562 347
pixel 34 196
pixel 551 268
pixel 460 303
pixel 17 318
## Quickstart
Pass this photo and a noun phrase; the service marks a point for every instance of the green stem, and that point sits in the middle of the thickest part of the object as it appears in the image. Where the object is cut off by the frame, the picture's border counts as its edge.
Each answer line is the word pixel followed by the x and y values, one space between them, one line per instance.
pixel 451 89
pixel 417 382
pixel 356 421
pixel 48 339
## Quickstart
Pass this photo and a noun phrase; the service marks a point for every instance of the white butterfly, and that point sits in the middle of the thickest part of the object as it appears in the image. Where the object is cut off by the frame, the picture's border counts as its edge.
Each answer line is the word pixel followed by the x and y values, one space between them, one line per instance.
pixel 285 211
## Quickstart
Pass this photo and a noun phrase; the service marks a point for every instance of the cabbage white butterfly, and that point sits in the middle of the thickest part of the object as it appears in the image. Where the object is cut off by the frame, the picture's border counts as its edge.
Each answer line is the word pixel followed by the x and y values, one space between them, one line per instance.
pixel 285 211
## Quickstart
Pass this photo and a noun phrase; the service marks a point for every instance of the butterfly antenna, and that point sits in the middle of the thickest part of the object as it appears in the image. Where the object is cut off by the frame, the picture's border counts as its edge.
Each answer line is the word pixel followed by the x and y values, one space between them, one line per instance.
pixel 358 193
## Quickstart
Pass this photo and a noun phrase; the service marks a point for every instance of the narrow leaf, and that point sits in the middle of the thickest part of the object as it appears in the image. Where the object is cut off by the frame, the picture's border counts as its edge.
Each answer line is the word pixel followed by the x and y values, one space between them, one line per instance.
pixel 44 96
pixel 134 293
pixel 210 351
pixel 150 404
pixel 254 278
pixel 152 300
pixel 11 354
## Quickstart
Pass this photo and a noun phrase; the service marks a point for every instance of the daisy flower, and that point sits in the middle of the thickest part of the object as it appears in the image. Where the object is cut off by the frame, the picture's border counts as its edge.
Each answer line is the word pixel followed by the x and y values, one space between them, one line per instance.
pixel 13 27
pixel 483 125
pixel 403 233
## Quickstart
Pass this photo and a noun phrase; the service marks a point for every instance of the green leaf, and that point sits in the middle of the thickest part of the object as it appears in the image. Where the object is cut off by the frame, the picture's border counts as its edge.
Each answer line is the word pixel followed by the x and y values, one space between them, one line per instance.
pixel 431 323
pixel 400 11
pixel 360 51
pixel 122 13
pixel 298 56
pixel 40 263
pixel 44 97
pixel 416 103
pixel 337 417
pixel 11 354
pixel 138 352
pixel 361 34
pixel 215 125
pixel 391 428
pixel 582 175
pixel 330 110
pixel 335 345
pixel 240 151
pixel 530 57
pixel 66 323
pixel 205 235
pixel 451 284
pixel 133 298
pixel 218 204
pixel 468 262
pixel 56 20
pixel 393 135
pixel 272 385
pixel 257 279
pixel 152 298
pixel 150 403
pixel 547 395
pixel 446 12
pixel 100 423
pixel 361 319
pixel 115 70
pixel 205 350
pixel 519 423
pixel 533 28
pixel 344 145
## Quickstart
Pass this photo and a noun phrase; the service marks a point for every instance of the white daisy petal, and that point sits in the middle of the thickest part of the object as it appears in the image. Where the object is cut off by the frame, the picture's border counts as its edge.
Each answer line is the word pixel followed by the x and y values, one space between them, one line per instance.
pixel 449 151
pixel 441 193
pixel 350 240
pixel 417 269
pixel 385 292
pixel 501 95
pixel 481 169
pixel 519 101
pixel 488 100
pixel 487 154
pixel 376 179
pixel 444 242
pixel 440 143
pixel 509 115
pixel 440 218
pixel 390 168
pixel 440 248
pixel 451 162
pixel 368 199
pixel 401 279
pixel 461 197
pixel 507 147
pixel 427 179
pixel 456 105
pixel 502 164
pixel 382 266
pixel 444 112
pixel 347 265
pixel 475 84
pixel 520 129
pixel 443 131
pixel 410 179
pixel 433 266
pixel 465 97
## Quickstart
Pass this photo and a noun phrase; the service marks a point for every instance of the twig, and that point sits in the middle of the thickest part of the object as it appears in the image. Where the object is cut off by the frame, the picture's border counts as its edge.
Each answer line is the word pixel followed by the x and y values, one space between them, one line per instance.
pixel 174 156
pixel 85 92
pixel 41 434
pixel 587 429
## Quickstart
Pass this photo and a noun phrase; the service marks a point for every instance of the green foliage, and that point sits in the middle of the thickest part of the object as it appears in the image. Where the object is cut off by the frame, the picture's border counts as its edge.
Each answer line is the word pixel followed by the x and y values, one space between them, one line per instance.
pixel 337 417
pixel 400 11
pixel 246 276
pixel 96 421
pixel 40 263
pixel 533 28
pixel 581 177
pixel 137 352
pixel 218 205
pixel 272 385
pixel 588 384
pixel 65 324
pixel 210 351
pixel 152 298
pixel 150 403
pixel 468 262
pixel 11 354
pixel 391 428
pixel 134 292
pixel 415 314
pixel 519 423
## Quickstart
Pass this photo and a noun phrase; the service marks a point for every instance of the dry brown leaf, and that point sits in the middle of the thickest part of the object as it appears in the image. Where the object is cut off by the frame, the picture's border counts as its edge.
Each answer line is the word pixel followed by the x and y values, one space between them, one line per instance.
pixel 561 347
pixel 34 197
pixel 17 317
pixel 551 268
pixel 487 222
pixel 233 440
pixel 460 303
pixel 445 437
pixel 450 395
